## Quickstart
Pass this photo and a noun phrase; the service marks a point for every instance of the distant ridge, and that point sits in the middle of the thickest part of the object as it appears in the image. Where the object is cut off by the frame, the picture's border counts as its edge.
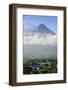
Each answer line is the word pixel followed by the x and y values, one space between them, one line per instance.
pixel 52 57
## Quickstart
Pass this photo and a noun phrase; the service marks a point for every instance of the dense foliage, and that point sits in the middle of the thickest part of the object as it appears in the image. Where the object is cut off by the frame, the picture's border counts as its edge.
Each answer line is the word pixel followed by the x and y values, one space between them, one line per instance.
pixel 39 66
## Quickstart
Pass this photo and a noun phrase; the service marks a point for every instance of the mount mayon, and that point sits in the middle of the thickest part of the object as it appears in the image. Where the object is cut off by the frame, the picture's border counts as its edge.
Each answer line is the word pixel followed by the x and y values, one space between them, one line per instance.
pixel 39 50
pixel 44 29
pixel 41 28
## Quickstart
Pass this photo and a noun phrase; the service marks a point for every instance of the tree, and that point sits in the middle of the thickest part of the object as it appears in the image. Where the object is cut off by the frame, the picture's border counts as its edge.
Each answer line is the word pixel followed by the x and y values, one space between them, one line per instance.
pixel 27 70
pixel 45 68
pixel 34 71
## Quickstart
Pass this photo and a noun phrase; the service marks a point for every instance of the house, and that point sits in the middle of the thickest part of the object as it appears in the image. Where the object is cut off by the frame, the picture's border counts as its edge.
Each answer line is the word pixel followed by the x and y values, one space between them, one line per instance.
pixel 37 67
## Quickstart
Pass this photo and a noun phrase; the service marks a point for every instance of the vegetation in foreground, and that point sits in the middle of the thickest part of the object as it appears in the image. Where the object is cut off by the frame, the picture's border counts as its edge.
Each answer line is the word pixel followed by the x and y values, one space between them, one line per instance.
pixel 39 66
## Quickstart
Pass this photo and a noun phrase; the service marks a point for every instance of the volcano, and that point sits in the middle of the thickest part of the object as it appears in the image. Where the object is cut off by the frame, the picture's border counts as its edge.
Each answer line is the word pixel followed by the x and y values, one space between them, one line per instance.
pixel 44 29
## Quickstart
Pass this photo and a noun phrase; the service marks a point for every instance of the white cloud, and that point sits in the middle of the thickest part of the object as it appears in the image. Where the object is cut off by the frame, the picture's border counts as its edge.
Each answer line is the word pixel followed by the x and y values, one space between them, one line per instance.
pixel 49 40
pixel 28 27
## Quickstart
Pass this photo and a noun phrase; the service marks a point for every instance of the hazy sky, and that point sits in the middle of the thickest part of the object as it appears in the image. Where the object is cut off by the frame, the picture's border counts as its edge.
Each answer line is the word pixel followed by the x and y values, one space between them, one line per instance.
pixel 40 45
pixel 49 21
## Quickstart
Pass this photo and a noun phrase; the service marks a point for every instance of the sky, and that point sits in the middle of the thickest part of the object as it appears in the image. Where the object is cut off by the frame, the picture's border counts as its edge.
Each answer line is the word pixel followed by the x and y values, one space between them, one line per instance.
pixel 40 44
pixel 49 21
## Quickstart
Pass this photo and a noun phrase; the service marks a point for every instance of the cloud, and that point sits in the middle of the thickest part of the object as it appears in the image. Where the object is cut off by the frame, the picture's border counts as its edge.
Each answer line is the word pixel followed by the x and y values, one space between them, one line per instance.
pixel 49 40
pixel 28 27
